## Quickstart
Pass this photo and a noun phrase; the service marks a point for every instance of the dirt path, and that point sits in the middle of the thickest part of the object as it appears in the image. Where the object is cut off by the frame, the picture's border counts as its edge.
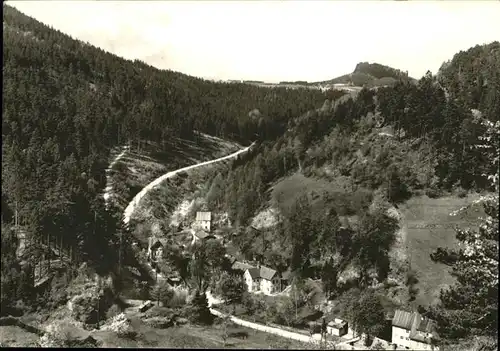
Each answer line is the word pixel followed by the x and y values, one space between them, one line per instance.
pixel 109 185
pixel 136 200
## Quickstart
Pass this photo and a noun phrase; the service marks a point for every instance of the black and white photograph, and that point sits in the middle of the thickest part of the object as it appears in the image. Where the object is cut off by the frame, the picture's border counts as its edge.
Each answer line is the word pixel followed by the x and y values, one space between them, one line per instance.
pixel 252 174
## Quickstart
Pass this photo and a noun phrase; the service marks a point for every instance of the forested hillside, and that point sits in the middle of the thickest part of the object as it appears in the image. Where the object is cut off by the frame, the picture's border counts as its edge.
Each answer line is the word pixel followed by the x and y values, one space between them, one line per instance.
pixel 333 167
pixel 67 103
pixel 332 180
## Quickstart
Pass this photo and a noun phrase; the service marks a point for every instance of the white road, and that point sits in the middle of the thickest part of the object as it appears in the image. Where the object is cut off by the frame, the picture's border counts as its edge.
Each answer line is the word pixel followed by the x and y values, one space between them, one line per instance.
pixel 137 198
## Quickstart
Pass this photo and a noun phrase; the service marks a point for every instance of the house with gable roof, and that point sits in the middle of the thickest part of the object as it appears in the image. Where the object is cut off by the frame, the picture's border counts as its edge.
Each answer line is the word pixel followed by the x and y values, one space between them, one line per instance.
pixel 412 331
pixel 204 220
pixel 263 279
pixel 156 246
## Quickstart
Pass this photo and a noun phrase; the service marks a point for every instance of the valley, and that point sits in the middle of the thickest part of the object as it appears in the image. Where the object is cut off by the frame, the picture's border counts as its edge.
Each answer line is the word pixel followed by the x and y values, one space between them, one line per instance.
pixel 143 207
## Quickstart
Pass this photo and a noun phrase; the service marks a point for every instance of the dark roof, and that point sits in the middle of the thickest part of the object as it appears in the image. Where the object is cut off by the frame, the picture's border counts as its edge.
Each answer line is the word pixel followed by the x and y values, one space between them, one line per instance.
pixel 424 325
pixel 403 319
pixel 254 272
pixel 262 272
pixel 159 242
pixel 203 216
pixel 241 266
pixel 267 273
pixel 420 329
pixel 201 234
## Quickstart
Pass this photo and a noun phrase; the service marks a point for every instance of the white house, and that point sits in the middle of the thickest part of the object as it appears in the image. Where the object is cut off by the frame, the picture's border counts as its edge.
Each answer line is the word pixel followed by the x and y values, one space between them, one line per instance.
pixel 204 220
pixel 411 331
pixel 337 327
pixel 263 279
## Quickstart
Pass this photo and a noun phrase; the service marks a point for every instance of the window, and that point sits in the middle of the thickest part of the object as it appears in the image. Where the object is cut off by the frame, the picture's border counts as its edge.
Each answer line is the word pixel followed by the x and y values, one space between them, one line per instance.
pixel 401 337
pixel 407 338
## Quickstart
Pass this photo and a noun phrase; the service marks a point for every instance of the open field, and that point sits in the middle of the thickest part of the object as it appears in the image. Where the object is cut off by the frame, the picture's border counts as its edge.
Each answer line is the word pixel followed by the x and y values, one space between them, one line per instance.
pixel 186 336
pixel 12 336
pixel 198 337
pixel 429 226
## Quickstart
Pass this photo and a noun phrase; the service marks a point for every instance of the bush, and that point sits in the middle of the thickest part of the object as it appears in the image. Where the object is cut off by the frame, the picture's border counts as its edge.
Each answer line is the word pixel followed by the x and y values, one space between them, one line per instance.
pixel 433 193
pixel 160 322
pixel 411 281
pixel 461 193
pixel 158 311
pixel 445 256
pixel 177 300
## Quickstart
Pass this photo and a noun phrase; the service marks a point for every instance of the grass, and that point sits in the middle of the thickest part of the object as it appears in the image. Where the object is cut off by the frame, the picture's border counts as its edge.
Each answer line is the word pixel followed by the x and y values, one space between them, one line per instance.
pixel 428 225
pixel 189 336
pixel 12 336
pixel 288 189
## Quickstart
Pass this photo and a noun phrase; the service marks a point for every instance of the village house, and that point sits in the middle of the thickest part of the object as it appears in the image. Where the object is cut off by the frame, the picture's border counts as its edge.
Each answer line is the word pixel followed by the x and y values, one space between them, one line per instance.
pixel 337 327
pixel 203 220
pixel 156 247
pixel 263 279
pixel 411 331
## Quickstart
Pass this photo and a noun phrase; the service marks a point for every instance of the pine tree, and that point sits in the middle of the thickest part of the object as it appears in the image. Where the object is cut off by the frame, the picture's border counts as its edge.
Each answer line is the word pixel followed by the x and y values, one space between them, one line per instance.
pixel 199 311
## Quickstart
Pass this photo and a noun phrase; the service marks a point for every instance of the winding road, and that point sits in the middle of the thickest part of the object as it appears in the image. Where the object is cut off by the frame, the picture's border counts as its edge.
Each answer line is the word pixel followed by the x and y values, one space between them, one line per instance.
pixel 137 198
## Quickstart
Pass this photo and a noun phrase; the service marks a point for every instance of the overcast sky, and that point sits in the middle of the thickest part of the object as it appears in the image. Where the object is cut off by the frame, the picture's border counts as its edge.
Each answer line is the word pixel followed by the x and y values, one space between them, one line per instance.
pixel 273 41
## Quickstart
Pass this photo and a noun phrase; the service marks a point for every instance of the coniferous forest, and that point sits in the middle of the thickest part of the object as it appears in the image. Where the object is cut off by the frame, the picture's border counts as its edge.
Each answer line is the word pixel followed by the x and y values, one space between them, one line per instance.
pixel 66 104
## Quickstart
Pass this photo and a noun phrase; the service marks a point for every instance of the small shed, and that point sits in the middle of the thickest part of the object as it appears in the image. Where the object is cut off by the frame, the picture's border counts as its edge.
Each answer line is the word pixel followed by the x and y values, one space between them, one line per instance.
pixel 156 247
pixel 337 327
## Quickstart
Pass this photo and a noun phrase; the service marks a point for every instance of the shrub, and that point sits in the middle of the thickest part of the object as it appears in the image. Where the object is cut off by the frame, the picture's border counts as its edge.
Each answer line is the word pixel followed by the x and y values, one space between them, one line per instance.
pixel 178 299
pixel 159 311
pixel 445 256
pixel 461 193
pixel 411 281
pixel 433 193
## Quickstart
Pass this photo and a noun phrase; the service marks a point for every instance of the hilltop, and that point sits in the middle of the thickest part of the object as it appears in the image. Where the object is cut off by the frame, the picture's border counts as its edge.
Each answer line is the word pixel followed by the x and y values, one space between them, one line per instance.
pixel 371 75
pixel 365 74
